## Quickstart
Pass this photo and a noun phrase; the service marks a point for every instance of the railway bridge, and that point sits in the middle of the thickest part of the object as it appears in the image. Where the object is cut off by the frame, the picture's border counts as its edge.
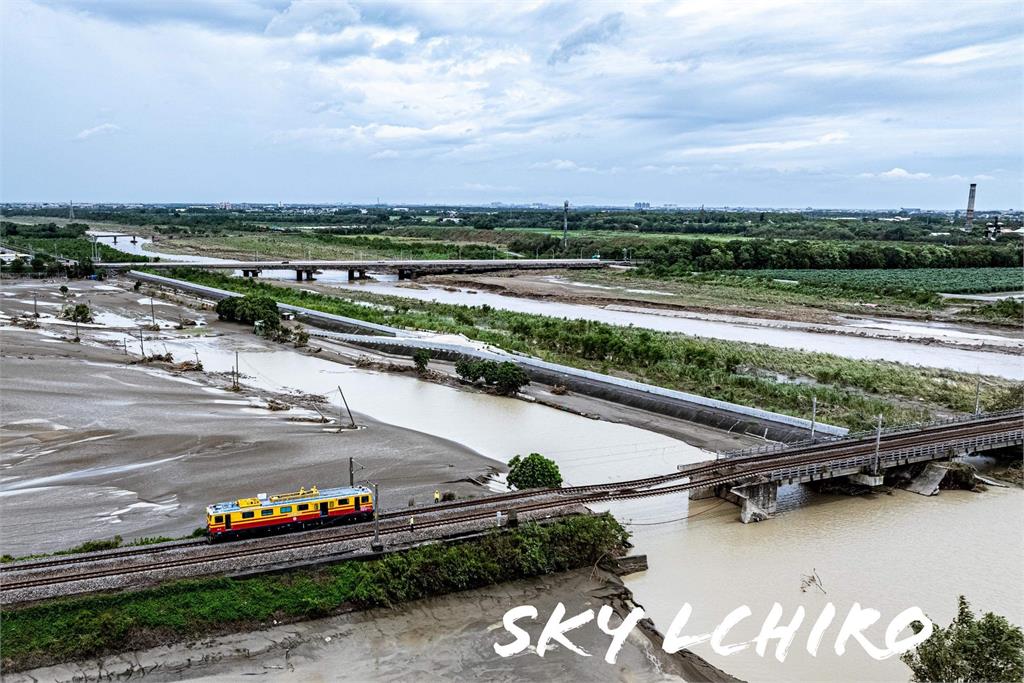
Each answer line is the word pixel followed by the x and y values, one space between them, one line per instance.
pixel 751 478
pixel 357 269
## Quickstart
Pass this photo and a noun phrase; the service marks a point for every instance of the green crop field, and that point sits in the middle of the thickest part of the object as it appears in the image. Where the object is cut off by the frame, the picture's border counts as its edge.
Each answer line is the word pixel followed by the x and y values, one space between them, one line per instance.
pixel 951 280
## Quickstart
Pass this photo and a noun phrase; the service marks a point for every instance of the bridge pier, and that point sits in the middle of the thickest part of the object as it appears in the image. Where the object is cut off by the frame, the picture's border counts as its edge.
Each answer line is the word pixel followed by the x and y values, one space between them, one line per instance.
pixel 298 275
pixel 356 274
pixel 757 502
pixel 404 274
pixel 134 241
pixel 115 239
pixel 250 273
pixel 309 275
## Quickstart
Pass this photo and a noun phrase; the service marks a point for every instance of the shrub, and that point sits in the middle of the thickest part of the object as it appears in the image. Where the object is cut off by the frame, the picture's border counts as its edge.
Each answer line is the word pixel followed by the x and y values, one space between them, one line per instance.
pixel 533 472
pixel 249 309
pixel 422 359
pixel 989 648
pixel 506 377
pixel 79 313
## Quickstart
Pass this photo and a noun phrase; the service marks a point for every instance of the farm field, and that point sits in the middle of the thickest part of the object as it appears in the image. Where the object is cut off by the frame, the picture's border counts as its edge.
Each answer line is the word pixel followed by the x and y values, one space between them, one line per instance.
pixel 949 280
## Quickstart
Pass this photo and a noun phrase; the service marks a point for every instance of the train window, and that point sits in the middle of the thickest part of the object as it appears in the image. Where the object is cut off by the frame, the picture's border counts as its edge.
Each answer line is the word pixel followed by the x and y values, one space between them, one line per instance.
pixel 304 506
pixel 366 499
pixel 286 509
pixel 248 515
pixel 219 519
pixel 343 501
pixel 268 511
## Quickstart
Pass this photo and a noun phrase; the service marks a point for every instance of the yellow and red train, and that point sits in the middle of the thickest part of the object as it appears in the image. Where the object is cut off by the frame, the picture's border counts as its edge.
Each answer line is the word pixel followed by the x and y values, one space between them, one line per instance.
pixel 288 511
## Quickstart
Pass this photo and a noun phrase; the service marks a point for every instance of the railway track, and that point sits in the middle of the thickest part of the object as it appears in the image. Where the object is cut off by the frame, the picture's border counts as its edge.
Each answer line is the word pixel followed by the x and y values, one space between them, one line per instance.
pixel 723 472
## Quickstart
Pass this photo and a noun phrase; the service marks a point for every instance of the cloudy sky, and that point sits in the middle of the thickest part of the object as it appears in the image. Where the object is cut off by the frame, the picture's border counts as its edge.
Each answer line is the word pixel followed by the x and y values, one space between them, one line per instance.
pixel 749 102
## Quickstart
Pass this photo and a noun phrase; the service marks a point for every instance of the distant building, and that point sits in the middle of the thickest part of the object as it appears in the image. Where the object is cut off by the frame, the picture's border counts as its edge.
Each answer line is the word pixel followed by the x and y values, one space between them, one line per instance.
pixel 641 206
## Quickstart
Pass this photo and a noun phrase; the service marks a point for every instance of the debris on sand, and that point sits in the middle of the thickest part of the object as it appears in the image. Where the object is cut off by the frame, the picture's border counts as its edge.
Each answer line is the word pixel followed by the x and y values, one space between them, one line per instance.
pixel 274 404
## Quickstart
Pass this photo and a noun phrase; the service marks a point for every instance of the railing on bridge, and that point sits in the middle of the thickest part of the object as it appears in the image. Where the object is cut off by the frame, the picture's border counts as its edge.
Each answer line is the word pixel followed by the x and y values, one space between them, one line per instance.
pixel 892 458
pixel 857 436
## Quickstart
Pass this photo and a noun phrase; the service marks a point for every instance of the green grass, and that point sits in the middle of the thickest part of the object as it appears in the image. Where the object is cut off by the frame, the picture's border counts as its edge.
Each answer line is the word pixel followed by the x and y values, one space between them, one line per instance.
pixel 950 280
pixel 94 626
pixel 849 392
pixel 1008 312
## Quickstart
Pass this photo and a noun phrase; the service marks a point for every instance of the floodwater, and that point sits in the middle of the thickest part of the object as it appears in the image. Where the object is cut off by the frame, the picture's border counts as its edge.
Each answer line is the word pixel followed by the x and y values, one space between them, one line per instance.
pixel 867 348
pixel 886 552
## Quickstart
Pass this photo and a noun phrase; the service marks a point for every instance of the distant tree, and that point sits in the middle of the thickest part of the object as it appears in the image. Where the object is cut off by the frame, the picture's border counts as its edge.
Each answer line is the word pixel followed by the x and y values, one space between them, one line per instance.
pixel 422 359
pixel 532 472
pixel 38 264
pixel 969 649
pixel 301 336
pixel 17 266
pixel 64 290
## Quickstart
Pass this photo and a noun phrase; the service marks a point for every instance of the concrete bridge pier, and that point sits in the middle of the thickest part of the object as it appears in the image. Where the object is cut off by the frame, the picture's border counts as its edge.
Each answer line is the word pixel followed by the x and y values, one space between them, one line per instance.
pixel 250 273
pixel 300 273
pixel 356 274
pixel 757 502
pixel 406 274
pixel 134 241
pixel 115 239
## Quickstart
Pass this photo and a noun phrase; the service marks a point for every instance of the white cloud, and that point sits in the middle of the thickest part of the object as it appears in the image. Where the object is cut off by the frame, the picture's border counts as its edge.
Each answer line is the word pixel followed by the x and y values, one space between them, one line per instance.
pixel 900 174
pixel 97 130
pixel 563 165
pixel 767 146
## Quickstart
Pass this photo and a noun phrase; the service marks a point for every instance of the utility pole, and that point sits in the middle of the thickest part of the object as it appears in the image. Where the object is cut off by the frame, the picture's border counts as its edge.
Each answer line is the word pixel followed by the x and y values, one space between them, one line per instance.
pixel 977 397
pixel 814 415
pixel 565 224
pixel 352 472
pixel 352 420
pixel 35 307
pixel 142 344
pixel 235 385
pixel 878 442
pixel 375 545
pixel 152 311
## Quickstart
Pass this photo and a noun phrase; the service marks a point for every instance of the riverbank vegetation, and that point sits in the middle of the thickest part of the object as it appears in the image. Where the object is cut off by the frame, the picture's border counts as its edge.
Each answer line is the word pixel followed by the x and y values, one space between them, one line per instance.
pixel 848 392
pixel 94 626
pixel 971 648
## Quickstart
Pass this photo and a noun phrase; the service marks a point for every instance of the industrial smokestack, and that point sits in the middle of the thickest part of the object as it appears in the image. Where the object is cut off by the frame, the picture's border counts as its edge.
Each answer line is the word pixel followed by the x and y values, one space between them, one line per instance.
pixel 565 225
pixel 969 223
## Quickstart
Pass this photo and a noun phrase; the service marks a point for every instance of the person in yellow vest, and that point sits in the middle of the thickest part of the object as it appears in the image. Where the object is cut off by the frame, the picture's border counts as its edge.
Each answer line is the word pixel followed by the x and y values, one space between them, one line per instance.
pixel 437 496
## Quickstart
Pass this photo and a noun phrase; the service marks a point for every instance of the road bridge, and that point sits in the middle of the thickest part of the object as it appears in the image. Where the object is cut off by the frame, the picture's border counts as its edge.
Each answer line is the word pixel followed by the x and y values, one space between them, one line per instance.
pixel 357 269
pixel 751 478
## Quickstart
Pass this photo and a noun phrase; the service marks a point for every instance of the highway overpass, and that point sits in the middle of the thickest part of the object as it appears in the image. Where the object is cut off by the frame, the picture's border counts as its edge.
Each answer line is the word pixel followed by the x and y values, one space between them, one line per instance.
pixel 357 269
